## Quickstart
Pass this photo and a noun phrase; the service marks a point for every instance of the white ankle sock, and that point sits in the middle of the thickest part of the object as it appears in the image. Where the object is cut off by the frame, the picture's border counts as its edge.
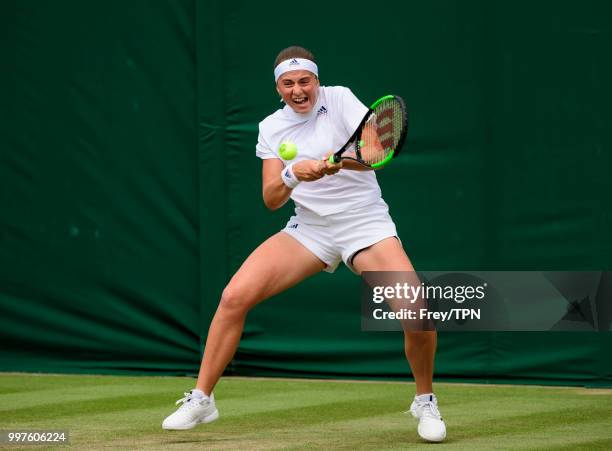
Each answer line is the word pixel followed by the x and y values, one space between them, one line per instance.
pixel 197 393
pixel 425 397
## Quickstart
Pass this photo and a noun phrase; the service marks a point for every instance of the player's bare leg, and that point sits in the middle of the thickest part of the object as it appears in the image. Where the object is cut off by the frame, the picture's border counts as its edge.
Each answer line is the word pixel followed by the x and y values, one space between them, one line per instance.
pixel 277 264
pixel 420 346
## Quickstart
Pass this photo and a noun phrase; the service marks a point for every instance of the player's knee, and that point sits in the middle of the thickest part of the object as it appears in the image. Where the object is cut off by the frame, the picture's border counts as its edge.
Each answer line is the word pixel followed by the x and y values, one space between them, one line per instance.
pixel 419 338
pixel 234 301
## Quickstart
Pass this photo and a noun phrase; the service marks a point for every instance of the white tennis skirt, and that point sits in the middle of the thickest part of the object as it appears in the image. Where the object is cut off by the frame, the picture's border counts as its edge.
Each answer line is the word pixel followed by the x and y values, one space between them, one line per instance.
pixel 338 237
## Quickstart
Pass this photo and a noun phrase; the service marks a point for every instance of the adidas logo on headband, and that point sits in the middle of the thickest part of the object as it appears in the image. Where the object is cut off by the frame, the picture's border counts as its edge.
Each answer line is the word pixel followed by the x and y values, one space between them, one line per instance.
pixel 295 64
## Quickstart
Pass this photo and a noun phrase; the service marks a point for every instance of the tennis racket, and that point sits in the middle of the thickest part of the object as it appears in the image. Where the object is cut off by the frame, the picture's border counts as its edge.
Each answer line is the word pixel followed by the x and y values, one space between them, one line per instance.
pixel 380 135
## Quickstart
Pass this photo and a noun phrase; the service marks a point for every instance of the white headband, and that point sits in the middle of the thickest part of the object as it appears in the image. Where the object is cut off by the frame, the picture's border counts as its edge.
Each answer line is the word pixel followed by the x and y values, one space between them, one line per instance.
pixel 295 64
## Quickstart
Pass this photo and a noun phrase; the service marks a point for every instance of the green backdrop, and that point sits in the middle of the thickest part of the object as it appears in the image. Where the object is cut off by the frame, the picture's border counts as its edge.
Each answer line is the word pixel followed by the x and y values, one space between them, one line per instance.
pixel 130 191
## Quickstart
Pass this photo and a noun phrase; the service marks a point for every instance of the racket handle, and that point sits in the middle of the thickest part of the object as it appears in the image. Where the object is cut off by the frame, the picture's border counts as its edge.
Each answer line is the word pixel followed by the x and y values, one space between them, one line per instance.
pixel 332 159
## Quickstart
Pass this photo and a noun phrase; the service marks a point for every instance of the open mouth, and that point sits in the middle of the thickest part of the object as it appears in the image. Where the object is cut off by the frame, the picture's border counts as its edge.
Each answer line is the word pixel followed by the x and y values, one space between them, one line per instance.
pixel 299 100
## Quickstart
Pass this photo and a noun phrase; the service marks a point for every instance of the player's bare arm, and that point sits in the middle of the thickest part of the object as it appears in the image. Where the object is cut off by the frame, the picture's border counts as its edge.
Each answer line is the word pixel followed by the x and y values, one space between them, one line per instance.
pixel 276 193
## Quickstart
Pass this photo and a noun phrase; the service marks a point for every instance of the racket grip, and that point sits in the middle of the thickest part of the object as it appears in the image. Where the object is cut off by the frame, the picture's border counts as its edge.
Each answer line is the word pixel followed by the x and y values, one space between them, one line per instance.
pixel 332 159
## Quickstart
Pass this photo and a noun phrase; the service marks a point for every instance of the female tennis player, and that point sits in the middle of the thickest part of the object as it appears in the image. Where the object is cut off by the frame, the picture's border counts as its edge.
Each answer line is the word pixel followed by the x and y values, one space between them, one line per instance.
pixel 339 216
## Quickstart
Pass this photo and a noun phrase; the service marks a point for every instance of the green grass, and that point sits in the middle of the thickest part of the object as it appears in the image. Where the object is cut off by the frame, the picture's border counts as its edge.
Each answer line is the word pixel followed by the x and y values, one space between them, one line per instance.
pixel 126 413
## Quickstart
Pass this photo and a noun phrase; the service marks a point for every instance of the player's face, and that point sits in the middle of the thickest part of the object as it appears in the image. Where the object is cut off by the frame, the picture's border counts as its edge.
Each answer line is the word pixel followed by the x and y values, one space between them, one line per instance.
pixel 299 89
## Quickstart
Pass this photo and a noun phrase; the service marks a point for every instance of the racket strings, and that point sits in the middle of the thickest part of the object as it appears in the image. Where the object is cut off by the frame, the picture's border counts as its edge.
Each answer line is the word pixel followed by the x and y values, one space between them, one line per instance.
pixel 381 133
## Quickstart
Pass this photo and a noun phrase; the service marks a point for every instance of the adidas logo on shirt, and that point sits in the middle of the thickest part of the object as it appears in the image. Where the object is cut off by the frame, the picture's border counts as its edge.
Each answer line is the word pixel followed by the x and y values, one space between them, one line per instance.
pixel 321 111
pixel 293 226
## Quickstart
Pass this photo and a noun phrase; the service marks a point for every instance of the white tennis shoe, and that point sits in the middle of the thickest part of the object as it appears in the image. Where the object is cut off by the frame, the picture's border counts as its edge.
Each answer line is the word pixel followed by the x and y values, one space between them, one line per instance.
pixel 196 408
pixel 431 426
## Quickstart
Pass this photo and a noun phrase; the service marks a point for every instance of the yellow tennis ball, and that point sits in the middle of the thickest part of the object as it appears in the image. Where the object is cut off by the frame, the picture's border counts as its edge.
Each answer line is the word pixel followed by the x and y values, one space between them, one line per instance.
pixel 287 150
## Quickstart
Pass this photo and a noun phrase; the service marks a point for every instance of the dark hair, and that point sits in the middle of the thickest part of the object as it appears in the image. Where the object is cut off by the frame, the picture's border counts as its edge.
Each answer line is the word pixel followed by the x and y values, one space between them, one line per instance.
pixel 295 51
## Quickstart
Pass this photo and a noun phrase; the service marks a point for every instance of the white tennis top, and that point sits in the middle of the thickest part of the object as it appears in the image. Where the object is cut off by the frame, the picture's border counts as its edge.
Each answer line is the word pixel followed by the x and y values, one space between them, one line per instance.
pixel 328 126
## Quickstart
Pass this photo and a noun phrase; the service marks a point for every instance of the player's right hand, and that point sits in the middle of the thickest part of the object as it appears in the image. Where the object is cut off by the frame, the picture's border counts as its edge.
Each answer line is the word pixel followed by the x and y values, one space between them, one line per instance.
pixel 311 170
